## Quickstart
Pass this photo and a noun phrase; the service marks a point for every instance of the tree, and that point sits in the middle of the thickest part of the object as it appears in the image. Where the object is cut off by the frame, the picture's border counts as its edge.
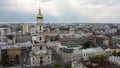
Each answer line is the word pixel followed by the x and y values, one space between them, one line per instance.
pixel 116 53
pixel 52 38
pixel 64 28
pixel 17 58
pixel 67 66
pixel 10 37
pixel 56 65
pixel 81 59
pixel 88 44
pixel 97 58
pixel 4 60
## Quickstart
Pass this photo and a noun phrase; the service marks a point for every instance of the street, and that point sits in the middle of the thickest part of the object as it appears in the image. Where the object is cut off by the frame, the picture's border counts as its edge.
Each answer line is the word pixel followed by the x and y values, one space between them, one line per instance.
pixel 24 57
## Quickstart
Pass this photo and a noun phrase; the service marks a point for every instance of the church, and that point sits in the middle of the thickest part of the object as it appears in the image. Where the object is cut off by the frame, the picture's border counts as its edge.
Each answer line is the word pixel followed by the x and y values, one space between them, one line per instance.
pixel 40 54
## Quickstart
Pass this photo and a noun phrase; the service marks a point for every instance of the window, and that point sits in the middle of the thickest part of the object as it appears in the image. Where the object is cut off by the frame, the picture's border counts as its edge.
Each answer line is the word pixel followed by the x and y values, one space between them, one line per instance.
pixel 40 38
pixel 41 57
pixel 41 62
pixel 40 47
pixel 48 56
pixel 40 28
pixel 33 58
pixel 33 62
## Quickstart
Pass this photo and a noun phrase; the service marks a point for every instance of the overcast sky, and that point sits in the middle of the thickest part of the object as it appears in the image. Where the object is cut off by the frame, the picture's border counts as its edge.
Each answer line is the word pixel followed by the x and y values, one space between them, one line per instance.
pixel 57 11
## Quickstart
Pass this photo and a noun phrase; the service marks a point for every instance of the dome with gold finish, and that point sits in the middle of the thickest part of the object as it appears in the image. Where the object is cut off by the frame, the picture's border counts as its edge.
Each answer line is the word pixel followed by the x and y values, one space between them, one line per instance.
pixel 40 16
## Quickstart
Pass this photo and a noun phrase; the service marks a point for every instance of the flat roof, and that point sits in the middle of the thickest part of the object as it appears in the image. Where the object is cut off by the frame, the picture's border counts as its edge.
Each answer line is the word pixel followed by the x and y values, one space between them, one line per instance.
pixel 66 50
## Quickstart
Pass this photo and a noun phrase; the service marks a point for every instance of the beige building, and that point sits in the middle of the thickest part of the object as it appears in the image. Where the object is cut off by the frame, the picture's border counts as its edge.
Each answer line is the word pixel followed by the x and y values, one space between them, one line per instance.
pixel 66 54
pixel 101 40
pixel 25 28
pixel 12 52
pixel 111 49
pixel 71 30
pixel 40 55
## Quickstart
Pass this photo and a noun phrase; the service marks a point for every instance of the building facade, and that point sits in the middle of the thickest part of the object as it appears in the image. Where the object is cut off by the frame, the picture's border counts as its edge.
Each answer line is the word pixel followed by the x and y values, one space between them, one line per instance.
pixel 114 59
pixel 66 54
pixel 101 40
pixel 0 54
pixel 86 53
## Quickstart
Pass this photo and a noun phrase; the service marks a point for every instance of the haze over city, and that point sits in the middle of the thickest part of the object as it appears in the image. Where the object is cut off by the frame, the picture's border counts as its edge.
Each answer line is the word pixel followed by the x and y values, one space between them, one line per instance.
pixel 60 11
pixel 59 34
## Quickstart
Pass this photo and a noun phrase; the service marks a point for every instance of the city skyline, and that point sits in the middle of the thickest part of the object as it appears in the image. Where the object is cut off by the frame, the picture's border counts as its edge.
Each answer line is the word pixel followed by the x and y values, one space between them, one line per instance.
pixel 68 11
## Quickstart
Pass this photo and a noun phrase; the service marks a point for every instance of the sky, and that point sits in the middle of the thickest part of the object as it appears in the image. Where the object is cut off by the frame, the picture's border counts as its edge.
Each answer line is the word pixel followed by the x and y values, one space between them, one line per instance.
pixel 61 11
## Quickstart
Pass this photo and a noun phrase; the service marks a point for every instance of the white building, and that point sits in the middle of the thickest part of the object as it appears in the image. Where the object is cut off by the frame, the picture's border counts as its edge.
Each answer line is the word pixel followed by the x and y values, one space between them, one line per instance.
pixel 40 55
pixel 115 39
pixel 114 59
pixel 5 45
pixel 86 53
pixel 2 33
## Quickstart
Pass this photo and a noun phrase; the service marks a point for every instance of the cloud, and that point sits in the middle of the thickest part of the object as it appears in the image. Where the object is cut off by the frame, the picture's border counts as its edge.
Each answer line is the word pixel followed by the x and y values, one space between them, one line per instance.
pixel 93 11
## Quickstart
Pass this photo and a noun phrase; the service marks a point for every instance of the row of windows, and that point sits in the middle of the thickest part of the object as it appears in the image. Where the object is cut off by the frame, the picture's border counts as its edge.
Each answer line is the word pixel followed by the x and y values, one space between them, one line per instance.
pixel 41 62
pixel 41 57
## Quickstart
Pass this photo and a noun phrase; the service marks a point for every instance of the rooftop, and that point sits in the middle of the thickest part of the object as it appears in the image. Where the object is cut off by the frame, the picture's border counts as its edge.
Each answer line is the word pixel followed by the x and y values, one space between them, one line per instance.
pixel 5 45
pixel 88 50
pixel 114 47
pixel 66 50
pixel 92 50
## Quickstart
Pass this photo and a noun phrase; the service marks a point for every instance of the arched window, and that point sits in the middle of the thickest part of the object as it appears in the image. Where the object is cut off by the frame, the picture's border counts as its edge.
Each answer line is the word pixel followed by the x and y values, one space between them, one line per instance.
pixel 40 28
pixel 41 62
pixel 41 57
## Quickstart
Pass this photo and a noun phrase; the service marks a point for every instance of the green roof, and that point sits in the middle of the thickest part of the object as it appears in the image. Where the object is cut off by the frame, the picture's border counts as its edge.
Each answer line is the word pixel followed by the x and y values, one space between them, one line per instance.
pixel 73 45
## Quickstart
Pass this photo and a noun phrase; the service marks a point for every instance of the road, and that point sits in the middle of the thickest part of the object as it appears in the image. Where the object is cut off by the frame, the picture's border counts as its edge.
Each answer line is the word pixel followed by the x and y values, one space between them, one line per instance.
pixel 57 58
pixel 24 57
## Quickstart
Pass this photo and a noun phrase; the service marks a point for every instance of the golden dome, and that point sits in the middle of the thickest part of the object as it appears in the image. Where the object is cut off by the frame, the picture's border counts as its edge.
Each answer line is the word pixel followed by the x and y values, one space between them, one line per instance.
pixel 39 14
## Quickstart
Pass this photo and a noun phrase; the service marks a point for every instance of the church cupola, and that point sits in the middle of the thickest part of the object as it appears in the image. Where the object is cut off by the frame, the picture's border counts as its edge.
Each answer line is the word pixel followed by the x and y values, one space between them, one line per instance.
pixel 39 16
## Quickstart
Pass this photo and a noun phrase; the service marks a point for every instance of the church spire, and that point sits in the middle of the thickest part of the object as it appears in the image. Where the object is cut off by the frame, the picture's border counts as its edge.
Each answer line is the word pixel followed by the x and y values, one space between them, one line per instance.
pixel 39 11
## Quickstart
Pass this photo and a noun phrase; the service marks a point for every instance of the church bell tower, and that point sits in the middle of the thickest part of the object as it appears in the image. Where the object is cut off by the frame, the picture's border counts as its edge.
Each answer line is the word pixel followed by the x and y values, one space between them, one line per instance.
pixel 40 55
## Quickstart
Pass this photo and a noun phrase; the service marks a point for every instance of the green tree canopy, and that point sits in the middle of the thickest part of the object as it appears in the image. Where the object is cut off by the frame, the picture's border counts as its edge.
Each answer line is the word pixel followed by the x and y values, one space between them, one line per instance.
pixel 56 65
pixel 68 66
pixel 88 44
pixel 4 60
pixel 10 37
pixel 116 53
pixel 17 58
pixel 97 58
